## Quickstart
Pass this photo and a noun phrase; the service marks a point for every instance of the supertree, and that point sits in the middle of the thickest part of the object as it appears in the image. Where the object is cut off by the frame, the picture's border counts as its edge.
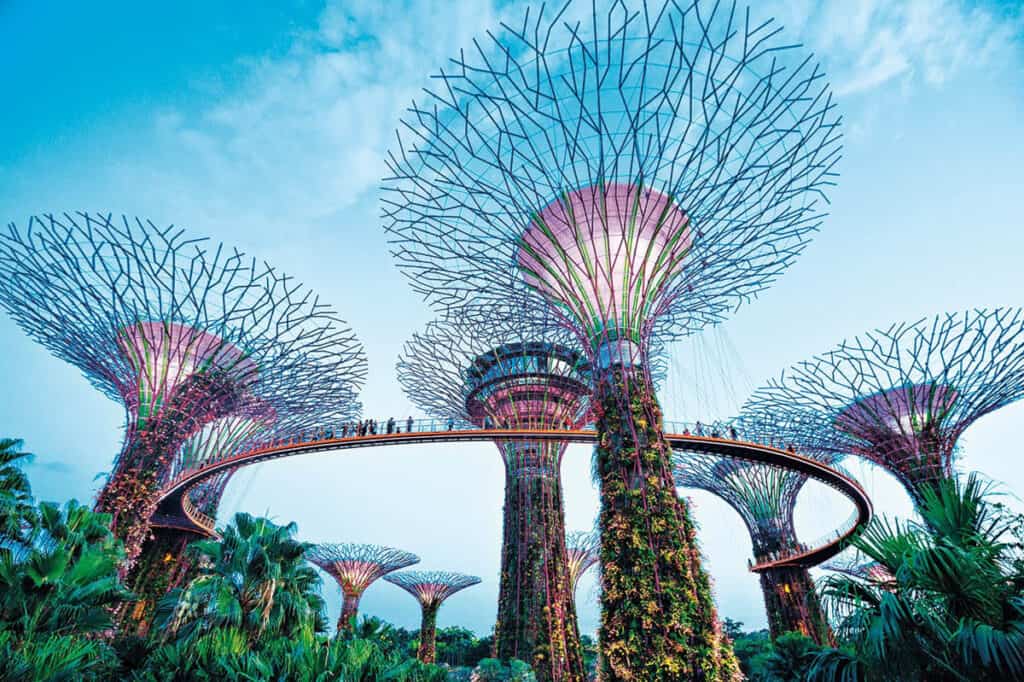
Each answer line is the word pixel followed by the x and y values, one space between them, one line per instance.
pixel 510 372
pixel 355 567
pixel 583 548
pixel 430 588
pixel 180 333
pixel 642 172
pixel 901 397
pixel 765 497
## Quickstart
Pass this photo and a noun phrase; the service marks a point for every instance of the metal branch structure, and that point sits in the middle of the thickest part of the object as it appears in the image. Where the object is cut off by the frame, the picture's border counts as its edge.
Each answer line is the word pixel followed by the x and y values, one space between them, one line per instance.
pixel 901 397
pixel 583 548
pixel 862 568
pixel 431 589
pixel 182 332
pixel 765 497
pixel 509 372
pixel 355 567
pixel 640 172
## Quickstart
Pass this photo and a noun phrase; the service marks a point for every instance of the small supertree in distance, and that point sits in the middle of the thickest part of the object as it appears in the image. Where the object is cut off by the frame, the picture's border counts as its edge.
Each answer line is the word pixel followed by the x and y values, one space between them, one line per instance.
pixel 508 371
pixel 355 567
pixel 583 548
pixel 180 332
pixel 901 397
pixel 430 588
pixel 765 497
pixel 642 171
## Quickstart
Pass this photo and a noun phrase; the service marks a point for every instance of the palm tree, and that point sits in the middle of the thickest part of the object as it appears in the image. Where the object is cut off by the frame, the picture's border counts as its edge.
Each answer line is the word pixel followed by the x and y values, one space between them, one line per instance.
pixel 16 506
pixel 950 604
pixel 253 580
pixel 60 585
pixel 66 581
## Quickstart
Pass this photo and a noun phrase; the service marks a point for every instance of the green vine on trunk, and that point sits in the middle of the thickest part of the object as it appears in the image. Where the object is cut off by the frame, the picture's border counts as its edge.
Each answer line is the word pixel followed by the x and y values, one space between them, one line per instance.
pixel 658 619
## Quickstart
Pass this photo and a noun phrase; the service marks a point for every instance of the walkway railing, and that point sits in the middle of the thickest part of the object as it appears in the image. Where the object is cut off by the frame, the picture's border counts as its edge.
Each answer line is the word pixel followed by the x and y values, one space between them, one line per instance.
pixel 714 438
pixel 204 521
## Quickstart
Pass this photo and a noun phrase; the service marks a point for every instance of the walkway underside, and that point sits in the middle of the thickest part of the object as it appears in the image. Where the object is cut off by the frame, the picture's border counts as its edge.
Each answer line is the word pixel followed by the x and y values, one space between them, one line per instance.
pixel 176 511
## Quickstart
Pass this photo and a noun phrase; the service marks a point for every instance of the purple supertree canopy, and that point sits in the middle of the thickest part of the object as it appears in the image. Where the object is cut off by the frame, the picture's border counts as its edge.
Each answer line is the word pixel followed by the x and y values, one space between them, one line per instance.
pixel 356 566
pixel 901 397
pixel 142 309
pixel 183 335
pixel 583 549
pixel 431 588
pixel 644 171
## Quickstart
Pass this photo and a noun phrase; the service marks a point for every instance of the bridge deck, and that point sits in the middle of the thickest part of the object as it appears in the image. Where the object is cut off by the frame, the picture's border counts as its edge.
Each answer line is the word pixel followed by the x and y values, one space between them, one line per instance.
pixel 175 512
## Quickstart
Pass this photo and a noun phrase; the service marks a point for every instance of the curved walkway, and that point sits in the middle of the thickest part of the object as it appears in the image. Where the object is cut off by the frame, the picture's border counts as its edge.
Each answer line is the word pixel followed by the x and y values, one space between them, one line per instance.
pixel 177 511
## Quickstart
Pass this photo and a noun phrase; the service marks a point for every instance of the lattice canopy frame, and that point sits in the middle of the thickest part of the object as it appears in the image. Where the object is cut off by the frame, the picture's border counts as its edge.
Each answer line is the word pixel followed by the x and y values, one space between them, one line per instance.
pixel 583 548
pixel 431 589
pixel 180 331
pixel 901 397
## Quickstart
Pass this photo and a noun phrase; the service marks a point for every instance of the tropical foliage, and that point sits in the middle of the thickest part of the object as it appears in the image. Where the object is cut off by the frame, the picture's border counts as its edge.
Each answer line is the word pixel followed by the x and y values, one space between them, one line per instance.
pixel 948 604
pixel 16 510
pixel 253 611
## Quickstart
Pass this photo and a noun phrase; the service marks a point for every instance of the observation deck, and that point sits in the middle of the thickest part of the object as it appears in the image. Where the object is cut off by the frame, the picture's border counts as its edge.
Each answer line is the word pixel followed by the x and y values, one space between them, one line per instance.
pixel 177 511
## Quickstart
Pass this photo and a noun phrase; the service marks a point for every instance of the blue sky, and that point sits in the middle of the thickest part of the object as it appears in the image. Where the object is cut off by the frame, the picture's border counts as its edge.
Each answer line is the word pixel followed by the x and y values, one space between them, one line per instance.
pixel 266 129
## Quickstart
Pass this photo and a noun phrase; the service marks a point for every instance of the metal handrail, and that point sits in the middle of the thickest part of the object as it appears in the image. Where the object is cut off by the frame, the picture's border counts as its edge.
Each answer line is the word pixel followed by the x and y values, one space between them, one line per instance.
pixel 688 435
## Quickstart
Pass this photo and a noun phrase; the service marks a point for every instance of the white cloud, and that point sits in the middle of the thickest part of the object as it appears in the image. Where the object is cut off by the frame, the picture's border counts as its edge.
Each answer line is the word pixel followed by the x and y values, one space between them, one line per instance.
pixel 868 43
pixel 303 136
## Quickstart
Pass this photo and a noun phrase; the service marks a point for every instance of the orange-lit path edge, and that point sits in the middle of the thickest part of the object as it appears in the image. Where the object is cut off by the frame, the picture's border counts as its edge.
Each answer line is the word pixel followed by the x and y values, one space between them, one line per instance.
pixel 176 511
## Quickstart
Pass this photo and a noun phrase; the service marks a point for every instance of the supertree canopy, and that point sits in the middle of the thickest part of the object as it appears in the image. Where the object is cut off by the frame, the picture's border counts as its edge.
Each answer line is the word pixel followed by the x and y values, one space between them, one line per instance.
pixel 183 335
pixel 642 172
pixel 901 397
pixel 430 588
pixel 507 371
pixel 355 567
pixel 583 548
pixel 765 497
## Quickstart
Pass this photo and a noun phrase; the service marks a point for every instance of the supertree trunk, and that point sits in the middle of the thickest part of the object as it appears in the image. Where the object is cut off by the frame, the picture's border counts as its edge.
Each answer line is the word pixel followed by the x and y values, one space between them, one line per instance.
pixel 658 619
pixel 132 493
pixel 349 611
pixel 536 611
pixel 162 565
pixel 793 604
pixel 927 473
pixel 428 634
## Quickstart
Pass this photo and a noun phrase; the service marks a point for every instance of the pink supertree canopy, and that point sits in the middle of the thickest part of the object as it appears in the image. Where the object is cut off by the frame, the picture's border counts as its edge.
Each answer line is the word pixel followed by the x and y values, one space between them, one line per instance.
pixel 906 419
pixel 901 397
pixel 356 567
pixel 606 254
pixel 431 587
pixel 181 332
pixel 164 354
